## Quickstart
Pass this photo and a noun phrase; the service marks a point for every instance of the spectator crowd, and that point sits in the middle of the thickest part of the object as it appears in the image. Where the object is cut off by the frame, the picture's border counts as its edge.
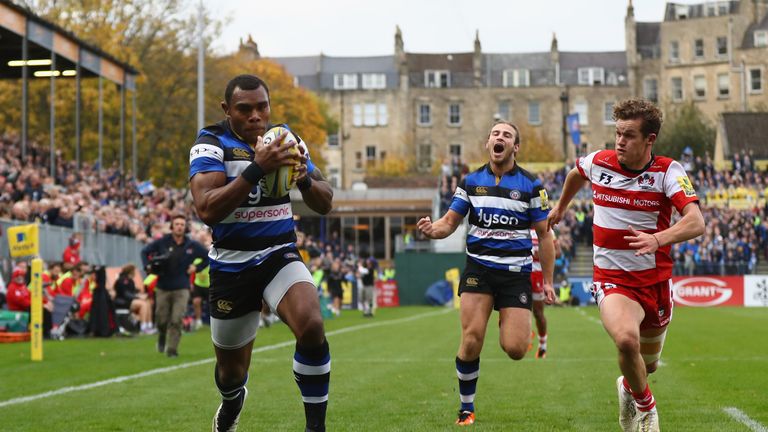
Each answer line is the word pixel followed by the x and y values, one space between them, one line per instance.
pixel 88 199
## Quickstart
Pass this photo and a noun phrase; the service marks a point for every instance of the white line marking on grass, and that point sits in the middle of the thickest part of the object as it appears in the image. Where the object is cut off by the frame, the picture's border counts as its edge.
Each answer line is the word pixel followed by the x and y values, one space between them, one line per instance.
pixel 739 416
pixel 589 317
pixel 70 389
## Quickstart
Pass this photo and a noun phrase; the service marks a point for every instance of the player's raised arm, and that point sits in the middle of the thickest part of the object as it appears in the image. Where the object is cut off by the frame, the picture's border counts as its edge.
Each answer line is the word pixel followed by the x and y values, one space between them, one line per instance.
pixel 546 258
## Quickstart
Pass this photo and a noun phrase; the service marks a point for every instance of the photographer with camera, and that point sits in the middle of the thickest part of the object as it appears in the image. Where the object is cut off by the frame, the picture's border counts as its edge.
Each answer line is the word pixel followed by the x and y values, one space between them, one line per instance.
pixel 170 258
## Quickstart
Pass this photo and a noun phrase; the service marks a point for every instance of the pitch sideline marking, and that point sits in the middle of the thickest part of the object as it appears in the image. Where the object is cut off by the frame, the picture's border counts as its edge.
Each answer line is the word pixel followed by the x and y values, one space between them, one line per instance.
pixel 70 389
pixel 744 419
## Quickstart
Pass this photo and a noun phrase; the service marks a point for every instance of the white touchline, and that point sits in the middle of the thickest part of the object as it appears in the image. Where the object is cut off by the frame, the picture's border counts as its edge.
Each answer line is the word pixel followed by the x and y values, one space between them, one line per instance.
pixel 739 416
pixel 70 389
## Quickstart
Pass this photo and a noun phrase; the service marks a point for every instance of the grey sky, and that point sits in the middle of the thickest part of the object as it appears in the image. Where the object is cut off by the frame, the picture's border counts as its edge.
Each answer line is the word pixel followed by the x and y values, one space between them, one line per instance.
pixel 364 28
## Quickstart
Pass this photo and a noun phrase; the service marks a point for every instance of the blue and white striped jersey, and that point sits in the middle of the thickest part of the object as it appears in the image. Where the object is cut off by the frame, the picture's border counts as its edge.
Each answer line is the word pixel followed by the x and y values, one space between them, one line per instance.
pixel 260 225
pixel 501 213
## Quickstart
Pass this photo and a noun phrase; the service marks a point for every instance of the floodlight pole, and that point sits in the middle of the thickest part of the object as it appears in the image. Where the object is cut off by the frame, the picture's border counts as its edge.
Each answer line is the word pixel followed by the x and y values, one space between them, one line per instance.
pixel 101 127
pixel 24 93
pixel 52 125
pixel 200 70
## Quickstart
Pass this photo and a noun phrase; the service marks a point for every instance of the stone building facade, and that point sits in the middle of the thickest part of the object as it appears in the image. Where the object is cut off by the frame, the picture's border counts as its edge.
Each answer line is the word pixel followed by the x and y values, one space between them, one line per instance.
pixel 425 108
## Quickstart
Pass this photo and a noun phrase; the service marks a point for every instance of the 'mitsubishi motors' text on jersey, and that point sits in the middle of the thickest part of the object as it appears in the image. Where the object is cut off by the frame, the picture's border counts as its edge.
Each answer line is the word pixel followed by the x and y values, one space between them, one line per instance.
pixel 260 225
pixel 501 213
pixel 641 199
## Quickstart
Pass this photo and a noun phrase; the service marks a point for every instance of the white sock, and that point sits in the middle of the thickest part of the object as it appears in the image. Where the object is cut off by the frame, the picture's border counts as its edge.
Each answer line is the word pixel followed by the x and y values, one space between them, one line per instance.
pixel 543 342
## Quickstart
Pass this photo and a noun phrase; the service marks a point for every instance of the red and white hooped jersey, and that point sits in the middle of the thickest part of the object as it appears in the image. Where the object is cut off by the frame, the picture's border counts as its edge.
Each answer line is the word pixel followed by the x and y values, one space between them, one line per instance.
pixel 536 266
pixel 643 200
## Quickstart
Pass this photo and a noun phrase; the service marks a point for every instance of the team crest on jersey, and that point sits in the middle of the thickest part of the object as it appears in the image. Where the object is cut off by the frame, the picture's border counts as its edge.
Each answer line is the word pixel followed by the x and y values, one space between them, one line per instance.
pixel 646 181
pixel 544 199
pixel 515 194
pixel 686 186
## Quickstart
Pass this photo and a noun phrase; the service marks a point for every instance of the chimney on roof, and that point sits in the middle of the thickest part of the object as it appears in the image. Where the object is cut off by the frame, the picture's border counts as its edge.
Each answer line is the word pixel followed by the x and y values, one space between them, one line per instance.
pixel 477 61
pixel 630 10
pixel 400 59
pixel 249 48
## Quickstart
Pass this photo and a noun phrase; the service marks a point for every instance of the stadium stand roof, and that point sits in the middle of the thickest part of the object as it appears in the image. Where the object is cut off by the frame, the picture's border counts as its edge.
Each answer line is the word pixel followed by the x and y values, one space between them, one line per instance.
pixel 45 37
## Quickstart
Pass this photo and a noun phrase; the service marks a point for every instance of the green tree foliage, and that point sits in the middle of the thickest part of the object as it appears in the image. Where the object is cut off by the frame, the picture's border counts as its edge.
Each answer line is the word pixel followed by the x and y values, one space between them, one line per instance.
pixel 683 127
pixel 158 38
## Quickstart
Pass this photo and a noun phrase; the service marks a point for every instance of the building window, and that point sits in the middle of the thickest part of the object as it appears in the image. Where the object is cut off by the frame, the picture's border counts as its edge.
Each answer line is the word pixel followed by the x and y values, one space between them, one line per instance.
pixel 723 85
pixel 333 140
pixel 723 8
pixel 334 177
pixel 455 150
pixel 651 89
pixel 357 115
pixel 676 88
pixel 503 112
pixel 425 156
pixel 383 115
pixel 755 80
pixel 699 87
pixel 437 78
pixel 761 38
pixel 425 114
pixel 516 78
pixel 373 81
pixel 582 109
pixel 698 48
pixel 345 81
pixel 358 160
pixel 370 155
pixel 534 113
pixel 608 113
pixel 370 114
pixel 454 114
pixel 591 76
pixel 722 46
pixel 674 51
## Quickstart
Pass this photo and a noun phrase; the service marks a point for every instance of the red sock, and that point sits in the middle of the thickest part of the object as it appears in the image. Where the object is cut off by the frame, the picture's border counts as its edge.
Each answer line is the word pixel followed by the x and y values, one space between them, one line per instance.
pixel 644 400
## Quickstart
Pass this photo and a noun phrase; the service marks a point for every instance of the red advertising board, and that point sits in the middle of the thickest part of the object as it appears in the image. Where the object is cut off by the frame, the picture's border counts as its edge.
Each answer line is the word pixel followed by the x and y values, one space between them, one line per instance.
pixel 706 291
pixel 386 294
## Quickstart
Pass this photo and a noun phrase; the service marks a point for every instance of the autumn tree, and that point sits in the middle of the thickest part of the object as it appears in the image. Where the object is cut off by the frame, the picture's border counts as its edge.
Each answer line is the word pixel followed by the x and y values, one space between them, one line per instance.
pixel 685 127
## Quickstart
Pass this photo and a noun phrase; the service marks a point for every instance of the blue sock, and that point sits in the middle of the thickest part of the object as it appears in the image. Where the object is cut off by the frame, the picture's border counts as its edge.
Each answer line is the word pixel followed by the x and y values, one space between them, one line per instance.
pixel 467 371
pixel 312 370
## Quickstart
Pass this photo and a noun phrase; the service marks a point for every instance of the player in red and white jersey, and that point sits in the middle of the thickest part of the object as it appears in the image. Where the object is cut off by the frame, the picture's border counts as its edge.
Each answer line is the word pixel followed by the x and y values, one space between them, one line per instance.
pixel 538 296
pixel 634 192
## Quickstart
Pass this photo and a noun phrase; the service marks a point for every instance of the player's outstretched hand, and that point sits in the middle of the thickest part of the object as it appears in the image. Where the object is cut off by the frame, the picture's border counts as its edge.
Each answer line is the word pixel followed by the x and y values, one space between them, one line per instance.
pixel 644 243
pixel 275 154
pixel 554 217
pixel 549 294
pixel 425 226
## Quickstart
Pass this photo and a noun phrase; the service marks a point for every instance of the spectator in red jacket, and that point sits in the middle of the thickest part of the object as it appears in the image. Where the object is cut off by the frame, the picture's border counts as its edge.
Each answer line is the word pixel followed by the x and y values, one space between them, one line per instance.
pixel 72 252
pixel 20 299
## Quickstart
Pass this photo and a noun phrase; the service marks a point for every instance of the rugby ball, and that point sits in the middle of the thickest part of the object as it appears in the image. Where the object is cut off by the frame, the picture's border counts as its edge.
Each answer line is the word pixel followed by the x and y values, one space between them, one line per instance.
pixel 278 183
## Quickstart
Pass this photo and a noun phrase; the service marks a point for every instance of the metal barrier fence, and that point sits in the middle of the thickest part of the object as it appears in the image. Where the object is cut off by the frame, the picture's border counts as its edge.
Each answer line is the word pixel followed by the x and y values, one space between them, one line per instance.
pixel 96 248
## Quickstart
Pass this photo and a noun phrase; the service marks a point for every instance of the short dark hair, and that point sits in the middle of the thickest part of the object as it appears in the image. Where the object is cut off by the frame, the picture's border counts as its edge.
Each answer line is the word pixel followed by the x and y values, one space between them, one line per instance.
pixel 510 124
pixel 645 110
pixel 244 82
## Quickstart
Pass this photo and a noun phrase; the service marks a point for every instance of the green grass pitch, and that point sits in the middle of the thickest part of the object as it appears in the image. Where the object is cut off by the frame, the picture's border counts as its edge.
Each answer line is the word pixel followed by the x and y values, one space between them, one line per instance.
pixel 395 372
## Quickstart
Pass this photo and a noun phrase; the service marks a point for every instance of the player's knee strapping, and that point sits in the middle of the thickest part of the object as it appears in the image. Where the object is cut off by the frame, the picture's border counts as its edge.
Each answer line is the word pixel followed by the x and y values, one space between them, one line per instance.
pixel 650 348
pixel 468 372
